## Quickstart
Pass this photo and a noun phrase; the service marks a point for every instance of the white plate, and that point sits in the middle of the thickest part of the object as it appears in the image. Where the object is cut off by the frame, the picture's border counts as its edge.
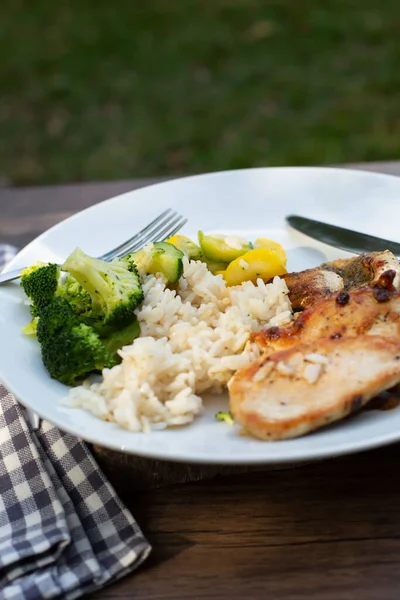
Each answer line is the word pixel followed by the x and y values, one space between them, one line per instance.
pixel 251 203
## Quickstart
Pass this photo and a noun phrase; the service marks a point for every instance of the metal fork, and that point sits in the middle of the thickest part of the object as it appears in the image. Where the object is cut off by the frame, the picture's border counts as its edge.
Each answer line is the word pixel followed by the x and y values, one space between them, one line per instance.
pixel 160 229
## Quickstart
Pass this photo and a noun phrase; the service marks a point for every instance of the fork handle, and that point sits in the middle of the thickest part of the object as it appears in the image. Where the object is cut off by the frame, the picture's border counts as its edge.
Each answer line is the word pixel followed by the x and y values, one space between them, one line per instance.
pixel 10 276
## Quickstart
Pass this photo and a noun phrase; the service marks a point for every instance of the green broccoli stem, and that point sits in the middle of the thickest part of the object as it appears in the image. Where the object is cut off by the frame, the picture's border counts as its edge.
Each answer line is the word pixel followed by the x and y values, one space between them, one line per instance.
pixel 30 328
pixel 122 337
pixel 87 271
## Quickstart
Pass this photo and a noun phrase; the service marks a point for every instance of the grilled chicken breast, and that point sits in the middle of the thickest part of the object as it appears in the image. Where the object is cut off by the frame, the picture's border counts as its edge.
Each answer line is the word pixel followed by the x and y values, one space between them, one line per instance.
pixel 341 314
pixel 375 269
pixel 307 287
pixel 341 351
pixel 290 393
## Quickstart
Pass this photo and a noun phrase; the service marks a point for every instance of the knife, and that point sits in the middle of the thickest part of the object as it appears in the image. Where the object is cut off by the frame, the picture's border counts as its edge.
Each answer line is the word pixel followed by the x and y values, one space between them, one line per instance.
pixel 346 239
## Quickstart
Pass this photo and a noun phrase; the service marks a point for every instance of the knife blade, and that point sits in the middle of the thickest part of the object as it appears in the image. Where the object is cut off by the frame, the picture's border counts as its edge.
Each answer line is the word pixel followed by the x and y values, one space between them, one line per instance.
pixel 339 237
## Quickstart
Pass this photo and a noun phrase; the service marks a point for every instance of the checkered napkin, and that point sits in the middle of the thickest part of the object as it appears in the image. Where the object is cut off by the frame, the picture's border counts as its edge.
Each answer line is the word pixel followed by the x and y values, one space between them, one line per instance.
pixel 63 530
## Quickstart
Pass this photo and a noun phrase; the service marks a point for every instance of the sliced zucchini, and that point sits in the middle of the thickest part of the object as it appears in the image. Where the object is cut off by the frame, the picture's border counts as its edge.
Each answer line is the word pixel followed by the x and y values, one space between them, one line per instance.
pixel 189 248
pixel 215 267
pixel 258 263
pixel 161 257
pixel 167 259
pixel 271 245
pixel 193 252
pixel 223 248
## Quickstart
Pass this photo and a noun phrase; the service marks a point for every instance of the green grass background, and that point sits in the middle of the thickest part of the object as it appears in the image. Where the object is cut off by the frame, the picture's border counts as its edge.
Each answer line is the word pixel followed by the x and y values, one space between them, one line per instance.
pixel 95 90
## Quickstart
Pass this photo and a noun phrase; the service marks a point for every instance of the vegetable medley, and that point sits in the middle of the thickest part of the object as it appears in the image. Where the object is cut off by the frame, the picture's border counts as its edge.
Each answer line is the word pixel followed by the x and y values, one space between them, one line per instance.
pixel 84 312
pixel 234 258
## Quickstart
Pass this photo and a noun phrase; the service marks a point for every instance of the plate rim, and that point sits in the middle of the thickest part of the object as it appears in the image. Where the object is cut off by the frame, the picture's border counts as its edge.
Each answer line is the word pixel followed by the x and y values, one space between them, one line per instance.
pixel 289 458
pixel 296 458
pixel 372 174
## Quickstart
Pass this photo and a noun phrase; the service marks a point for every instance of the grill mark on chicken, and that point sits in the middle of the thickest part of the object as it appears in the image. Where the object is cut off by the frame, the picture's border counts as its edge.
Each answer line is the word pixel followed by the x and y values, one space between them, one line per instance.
pixel 381 294
pixel 343 298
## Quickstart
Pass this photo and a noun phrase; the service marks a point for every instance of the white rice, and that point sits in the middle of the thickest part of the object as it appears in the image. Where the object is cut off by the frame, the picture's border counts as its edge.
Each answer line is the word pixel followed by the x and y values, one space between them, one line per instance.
pixel 192 340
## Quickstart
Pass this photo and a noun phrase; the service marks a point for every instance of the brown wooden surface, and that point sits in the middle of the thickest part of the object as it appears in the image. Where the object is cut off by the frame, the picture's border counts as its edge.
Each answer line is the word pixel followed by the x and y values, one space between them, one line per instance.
pixel 323 531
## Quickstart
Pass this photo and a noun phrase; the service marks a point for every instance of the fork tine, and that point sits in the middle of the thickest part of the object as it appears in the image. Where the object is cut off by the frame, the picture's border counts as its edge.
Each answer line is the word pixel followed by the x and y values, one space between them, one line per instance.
pixel 140 240
pixel 161 228
pixel 174 230
pixel 162 231
pixel 161 234
pixel 152 235
pixel 118 251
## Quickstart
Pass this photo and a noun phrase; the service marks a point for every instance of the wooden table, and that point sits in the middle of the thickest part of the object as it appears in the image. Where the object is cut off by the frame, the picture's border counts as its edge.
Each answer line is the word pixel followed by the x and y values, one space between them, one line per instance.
pixel 326 531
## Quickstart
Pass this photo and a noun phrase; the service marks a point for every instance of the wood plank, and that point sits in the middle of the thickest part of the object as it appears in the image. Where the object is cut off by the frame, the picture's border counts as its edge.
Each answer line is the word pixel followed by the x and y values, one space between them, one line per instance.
pixel 329 530
pixel 28 212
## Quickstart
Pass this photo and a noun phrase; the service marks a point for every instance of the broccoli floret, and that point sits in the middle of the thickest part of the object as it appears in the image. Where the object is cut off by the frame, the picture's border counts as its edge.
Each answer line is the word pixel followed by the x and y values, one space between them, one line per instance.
pixel 225 417
pixel 114 289
pixel 129 262
pixel 79 298
pixel 40 282
pixel 122 337
pixel 70 349
pixel 82 322
pixel 30 329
